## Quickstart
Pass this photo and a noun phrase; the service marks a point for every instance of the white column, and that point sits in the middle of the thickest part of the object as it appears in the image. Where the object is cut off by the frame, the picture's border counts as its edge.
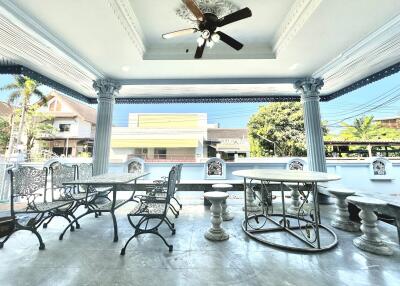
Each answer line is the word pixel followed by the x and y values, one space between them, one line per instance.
pixel 309 89
pixel 106 90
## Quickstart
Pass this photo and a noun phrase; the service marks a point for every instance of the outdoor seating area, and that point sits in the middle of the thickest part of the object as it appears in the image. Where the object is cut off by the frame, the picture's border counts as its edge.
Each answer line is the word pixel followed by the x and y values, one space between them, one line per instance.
pixel 107 179
pixel 194 259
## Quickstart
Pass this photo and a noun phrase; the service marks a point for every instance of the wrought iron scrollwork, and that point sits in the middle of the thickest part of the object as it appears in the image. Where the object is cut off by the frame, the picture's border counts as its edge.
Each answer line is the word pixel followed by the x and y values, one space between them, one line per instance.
pixel 307 214
pixel 27 180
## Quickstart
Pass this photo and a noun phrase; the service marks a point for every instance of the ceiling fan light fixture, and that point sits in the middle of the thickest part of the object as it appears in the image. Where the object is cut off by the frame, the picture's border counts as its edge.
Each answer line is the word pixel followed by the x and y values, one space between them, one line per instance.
pixel 210 44
pixel 215 37
pixel 200 41
pixel 205 34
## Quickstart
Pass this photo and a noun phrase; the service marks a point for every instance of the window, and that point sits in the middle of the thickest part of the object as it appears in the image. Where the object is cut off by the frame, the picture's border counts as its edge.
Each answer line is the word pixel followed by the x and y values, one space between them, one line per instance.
pixel 160 153
pixel 64 127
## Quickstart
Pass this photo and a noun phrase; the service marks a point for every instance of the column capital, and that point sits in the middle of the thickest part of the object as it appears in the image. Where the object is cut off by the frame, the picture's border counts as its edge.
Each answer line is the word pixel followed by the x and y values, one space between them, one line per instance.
pixel 106 88
pixel 309 87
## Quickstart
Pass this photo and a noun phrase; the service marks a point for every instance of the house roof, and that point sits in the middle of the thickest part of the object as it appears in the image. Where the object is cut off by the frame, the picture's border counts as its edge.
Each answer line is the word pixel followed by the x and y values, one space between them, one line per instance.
pixel 80 109
pixel 222 133
pixel 387 118
pixel 5 109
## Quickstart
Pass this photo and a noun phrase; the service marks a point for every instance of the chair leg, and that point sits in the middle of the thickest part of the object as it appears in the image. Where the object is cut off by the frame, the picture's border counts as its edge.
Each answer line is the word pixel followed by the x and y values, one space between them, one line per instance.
pixel 176 200
pixel 170 247
pixel 4 241
pixel 174 211
pixel 46 223
pixel 77 225
pixel 126 244
pixel 34 231
pixel 171 226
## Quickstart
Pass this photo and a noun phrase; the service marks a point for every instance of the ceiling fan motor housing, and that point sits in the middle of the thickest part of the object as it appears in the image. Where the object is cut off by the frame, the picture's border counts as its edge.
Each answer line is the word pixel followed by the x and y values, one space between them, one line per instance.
pixel 209 23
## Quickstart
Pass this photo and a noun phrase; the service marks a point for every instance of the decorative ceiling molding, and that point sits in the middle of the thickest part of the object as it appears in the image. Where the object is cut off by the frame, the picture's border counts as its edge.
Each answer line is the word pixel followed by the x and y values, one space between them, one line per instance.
pixel 294 21
pixel 206 99
pixel 363 82
pixel 123 11
pixel 207 81
pixel 27 43
pixel 21 70
pixel 15 15
pixel 219 8
pixel 372 54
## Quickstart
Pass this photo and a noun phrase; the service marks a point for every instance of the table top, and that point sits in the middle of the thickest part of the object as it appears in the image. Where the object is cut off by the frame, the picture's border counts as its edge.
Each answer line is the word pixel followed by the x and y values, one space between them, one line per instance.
pixel 108 179
pixel 286 175
pixel 366 201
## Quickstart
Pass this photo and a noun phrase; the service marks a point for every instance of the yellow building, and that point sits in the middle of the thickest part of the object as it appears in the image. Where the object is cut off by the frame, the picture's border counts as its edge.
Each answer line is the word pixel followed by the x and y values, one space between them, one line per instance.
pixel 160 137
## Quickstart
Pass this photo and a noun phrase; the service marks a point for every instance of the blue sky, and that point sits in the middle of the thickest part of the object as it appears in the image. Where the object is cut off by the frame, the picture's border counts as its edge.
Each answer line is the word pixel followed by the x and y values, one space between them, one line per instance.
pixel 365 100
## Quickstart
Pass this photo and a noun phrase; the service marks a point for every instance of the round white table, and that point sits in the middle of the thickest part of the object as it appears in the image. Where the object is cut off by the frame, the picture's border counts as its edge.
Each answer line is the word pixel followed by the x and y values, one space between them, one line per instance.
pixel 305 226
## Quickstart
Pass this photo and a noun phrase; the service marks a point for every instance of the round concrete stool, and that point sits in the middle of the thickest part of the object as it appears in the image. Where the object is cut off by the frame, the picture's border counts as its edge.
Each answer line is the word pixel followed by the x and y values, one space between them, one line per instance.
pixel 370 240
pixel 226 215
pixel 216 232
pixel 342 221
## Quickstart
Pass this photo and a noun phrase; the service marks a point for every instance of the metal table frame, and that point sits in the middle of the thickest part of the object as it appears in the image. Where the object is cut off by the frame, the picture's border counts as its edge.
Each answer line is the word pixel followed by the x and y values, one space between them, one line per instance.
pixel 307 223
pixel 122 185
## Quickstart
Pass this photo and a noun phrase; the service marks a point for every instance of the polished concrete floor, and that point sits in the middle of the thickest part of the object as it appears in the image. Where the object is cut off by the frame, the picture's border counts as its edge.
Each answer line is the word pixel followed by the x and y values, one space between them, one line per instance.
pixel 89 257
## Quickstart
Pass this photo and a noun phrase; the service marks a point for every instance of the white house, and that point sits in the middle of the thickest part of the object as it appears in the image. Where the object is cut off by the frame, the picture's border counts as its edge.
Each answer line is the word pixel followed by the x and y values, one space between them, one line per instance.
pixel 75 123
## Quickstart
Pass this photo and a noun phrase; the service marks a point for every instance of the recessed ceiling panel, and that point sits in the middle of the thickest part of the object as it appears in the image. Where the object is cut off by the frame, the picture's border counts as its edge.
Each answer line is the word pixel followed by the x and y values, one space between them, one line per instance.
pixel 256 33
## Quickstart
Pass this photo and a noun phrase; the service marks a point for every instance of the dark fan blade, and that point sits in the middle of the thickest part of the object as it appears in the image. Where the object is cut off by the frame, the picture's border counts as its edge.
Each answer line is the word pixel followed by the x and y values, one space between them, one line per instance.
pixel 230 41
pixel 235 16
pixel 200 50
pixel 192 6
pixel 179 33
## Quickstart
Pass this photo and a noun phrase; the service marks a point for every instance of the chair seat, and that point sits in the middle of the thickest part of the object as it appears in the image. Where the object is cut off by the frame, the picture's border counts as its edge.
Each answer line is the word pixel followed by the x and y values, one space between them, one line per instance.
pixel 48 206
pixel 148 208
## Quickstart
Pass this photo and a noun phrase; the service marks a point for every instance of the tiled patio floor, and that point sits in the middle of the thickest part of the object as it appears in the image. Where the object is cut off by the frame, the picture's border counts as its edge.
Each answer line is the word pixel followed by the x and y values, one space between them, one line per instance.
pixel 89 257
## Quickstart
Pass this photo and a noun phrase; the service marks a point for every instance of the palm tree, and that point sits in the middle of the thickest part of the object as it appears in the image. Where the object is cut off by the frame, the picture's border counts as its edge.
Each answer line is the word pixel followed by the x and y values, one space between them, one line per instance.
pixel 22 90
pixel 363 128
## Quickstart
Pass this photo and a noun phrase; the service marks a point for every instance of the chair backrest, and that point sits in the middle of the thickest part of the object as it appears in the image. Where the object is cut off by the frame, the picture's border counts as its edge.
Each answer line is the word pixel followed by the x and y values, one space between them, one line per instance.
pixel 25 181
pixel 135 165
pixel 60 174
pixel 84 171
pixel 178 173
pixel 171 184
pixel 215 168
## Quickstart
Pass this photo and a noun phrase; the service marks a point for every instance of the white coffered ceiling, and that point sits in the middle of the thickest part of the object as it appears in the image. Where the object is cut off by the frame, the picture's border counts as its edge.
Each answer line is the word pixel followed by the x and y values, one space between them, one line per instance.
pixel 76 42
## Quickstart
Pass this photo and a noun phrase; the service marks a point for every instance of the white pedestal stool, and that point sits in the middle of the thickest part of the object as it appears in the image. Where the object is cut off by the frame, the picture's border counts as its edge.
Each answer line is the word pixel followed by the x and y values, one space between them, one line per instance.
pixel 370 240
pixel 341 220
pixel 216 232
pixel 226 215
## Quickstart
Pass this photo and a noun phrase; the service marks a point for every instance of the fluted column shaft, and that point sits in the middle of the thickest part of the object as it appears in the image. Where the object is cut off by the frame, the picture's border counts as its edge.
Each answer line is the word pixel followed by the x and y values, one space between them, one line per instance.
pixel 106 90
pixel 309 89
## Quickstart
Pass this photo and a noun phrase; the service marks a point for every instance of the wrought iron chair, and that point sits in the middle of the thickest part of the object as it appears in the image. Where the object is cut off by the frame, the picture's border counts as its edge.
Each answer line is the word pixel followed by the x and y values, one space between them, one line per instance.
pixel 159 189
pixel 152 208
pixel 85 171
pixel 60 174
pixel 30 183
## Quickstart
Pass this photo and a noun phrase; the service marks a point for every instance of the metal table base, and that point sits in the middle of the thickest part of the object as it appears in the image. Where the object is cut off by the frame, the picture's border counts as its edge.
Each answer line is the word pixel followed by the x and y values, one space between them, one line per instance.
pixel 309 225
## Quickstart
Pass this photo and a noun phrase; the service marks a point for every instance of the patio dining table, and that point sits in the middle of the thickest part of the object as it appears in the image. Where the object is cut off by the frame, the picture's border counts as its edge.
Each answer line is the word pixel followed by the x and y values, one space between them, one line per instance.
pixel 305 226
pixel 115 183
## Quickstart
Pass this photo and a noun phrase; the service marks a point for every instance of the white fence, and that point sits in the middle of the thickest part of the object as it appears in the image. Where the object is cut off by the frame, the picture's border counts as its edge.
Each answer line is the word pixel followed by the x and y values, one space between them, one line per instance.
pixel 365 175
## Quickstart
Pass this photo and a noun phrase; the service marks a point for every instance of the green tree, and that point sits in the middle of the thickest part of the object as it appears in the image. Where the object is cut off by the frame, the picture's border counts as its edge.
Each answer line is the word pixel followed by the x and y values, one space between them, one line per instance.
pixel 22 90
pixel 281 123
pixel 37 125
pixel 365 128
pixel 4 134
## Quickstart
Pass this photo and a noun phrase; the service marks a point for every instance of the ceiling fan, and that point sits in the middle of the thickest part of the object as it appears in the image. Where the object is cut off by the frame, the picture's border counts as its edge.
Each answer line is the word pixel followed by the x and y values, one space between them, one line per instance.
pixel 207 26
